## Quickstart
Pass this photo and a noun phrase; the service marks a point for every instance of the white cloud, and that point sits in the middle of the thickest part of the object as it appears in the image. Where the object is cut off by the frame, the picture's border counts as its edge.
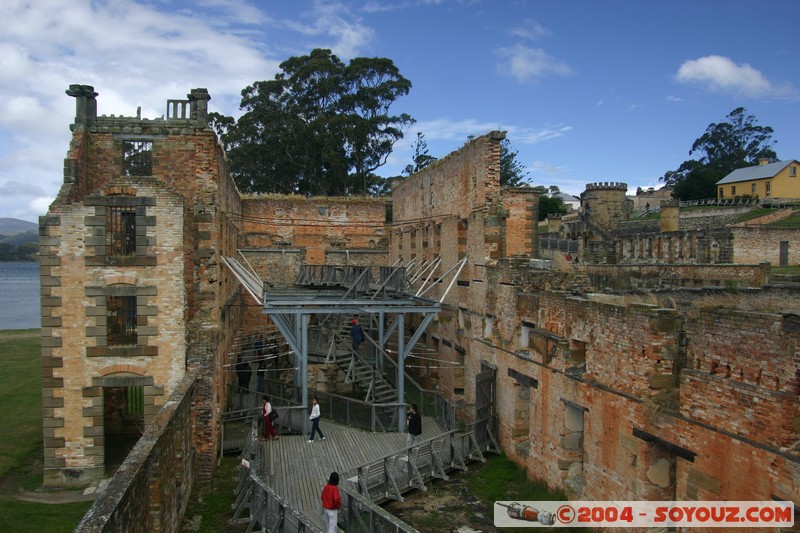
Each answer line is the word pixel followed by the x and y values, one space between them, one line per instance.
pixel 529 64
pixel 444 135
pixel 721 74
pixel 133 53
pixel 336 27
pixel 530 29
pixel 671 98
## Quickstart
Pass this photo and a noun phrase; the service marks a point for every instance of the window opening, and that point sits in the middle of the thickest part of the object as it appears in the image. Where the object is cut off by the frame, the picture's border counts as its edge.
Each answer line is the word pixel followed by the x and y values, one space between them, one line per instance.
pixel 137 158
pixel 121 320
pixel 135 401
pixel 121 232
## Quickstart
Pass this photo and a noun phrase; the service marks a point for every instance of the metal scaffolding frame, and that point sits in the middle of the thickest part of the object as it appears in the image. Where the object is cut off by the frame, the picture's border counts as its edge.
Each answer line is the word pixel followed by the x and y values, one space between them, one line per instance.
pixel 325 292
pixel 290 311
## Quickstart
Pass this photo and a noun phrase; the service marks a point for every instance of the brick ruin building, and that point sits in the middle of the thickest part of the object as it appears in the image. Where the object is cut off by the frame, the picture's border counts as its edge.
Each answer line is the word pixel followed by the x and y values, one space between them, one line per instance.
pixel 669 387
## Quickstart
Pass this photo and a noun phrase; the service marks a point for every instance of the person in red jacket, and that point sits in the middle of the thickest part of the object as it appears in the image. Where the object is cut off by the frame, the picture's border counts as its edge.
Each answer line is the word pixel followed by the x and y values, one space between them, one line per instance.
pixel 331 502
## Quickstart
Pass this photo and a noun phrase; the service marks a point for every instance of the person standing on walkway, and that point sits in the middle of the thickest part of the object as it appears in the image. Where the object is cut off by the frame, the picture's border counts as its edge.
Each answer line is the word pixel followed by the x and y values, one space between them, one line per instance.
pixel 315 421
pixel 413 425
pixel 266 411
pixel 356 333
pixel 331 502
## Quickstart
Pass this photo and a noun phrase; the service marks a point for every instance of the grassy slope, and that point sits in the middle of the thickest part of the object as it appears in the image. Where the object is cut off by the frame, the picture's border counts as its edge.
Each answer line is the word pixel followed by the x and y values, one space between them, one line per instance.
pixel 21 439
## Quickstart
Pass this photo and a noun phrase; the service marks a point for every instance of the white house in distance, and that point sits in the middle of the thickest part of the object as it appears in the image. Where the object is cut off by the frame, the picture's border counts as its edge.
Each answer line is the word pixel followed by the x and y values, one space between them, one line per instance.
pixel 572 203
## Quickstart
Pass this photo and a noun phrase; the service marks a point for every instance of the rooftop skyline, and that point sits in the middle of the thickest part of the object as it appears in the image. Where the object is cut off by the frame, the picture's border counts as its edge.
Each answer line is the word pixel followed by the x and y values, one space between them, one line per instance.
pixel 588 92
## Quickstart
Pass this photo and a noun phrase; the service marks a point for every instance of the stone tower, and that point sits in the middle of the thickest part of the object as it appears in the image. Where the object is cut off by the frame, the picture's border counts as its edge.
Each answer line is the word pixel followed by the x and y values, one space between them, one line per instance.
pixel 605 203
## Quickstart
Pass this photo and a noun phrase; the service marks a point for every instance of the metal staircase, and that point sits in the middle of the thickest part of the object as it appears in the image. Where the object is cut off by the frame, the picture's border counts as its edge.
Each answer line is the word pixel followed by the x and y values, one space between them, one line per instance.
pixel 358 371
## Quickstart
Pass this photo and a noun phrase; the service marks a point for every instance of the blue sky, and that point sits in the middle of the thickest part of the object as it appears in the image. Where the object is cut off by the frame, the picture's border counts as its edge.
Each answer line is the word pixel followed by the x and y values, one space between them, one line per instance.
pixel 587 90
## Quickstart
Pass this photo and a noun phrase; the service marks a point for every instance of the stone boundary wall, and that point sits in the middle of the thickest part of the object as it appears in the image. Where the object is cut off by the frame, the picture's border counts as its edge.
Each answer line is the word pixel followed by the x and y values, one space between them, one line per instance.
pixel 638 227
pixel 757 243
pixel 777 215
pixel 704 222
pixel 151 489
pixel 650 277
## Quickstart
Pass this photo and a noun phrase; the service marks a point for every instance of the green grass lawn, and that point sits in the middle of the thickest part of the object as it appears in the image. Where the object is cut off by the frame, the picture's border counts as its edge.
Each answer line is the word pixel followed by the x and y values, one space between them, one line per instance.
pixel 21 439
pixel 215 505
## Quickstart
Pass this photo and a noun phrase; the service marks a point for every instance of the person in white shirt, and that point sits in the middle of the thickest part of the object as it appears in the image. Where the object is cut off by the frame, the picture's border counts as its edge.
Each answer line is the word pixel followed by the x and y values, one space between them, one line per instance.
pixel 315 420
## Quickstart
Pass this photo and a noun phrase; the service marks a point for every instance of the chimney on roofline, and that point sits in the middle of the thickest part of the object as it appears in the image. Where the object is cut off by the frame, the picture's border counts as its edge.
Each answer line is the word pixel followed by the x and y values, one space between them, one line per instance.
pixel 763 161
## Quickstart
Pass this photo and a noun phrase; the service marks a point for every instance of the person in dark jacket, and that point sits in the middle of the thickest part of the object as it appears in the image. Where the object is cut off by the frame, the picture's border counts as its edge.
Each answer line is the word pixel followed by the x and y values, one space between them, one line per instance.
pixel 356 333
pixel 331 502
pixel 413 425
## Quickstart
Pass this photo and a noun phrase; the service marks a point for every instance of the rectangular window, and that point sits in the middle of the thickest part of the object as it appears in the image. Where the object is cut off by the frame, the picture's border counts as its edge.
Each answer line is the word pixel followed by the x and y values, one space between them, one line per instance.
pixel 121 320
pixel 753 189
pixel 135 400
pixel 768 189
pixel 733 190
pixel 792 171
pixel 721 192
pixel 121 232
pixel 137 158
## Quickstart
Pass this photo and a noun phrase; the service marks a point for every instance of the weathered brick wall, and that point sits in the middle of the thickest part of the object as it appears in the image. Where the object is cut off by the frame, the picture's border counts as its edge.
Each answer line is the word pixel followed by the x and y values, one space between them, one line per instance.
pixel 603 400
pixel 455 208
pixel 282 233
pixel 632 356
pixel 152 487
pixel 699 221
pixel 187 212
pixel 750 375
pixel 759 244
pixel 76 317
pixel 661 276
pixel 316 225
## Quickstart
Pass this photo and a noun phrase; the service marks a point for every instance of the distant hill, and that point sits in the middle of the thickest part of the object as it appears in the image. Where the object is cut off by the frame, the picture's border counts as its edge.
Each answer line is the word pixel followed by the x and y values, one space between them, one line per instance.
pixel 19 240
pixel 13 226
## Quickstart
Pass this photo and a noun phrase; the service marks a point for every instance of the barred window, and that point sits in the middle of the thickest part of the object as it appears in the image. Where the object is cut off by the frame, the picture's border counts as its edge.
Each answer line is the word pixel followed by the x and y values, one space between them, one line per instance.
pixel 121 320
pixel 137 158
pixel 135 400
pixel 121 231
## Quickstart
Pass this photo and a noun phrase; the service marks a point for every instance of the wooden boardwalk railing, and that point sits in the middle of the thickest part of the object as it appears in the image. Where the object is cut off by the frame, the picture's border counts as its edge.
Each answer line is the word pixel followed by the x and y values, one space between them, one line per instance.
pixel 280 486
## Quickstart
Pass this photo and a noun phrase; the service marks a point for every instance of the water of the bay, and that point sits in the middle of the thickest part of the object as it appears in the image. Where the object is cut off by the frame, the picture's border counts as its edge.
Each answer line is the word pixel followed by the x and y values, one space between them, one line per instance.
pixel 19 295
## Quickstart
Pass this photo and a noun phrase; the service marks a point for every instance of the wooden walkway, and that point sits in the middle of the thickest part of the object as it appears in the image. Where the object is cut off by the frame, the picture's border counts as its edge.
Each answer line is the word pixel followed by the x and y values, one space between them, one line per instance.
pixel 297 470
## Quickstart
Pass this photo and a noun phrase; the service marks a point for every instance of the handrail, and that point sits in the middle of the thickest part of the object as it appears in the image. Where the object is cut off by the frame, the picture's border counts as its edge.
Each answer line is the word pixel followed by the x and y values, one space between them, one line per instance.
pixel 265 506
pixel 337 408
pixel 387 477
pixel 378 519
